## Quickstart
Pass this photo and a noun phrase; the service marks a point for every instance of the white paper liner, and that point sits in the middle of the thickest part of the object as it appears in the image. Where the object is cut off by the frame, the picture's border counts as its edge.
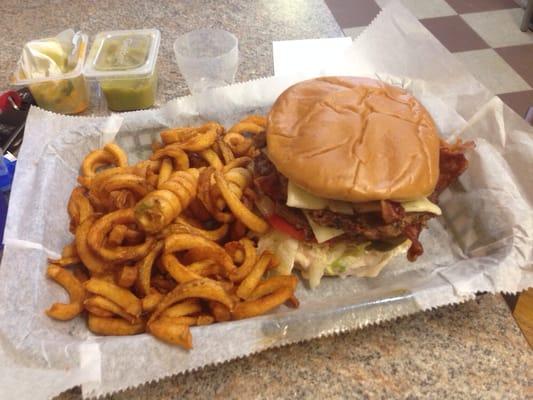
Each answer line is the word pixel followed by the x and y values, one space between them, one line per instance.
pixel 483 241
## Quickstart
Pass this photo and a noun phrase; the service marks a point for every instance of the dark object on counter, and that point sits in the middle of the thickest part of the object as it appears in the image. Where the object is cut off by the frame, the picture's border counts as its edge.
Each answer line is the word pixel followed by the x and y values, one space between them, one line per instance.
pixel 527 19
pixel 14 107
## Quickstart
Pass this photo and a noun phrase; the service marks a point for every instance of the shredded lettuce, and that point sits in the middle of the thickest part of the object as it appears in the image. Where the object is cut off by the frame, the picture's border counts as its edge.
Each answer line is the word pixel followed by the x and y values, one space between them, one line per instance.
pixel 316 260
pixel 352 258
pixel 364 261
pixel 283 246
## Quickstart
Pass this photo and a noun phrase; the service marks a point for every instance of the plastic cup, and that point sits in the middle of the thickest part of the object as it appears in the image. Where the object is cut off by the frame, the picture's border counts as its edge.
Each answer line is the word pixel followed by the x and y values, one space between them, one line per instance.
pixel 207 58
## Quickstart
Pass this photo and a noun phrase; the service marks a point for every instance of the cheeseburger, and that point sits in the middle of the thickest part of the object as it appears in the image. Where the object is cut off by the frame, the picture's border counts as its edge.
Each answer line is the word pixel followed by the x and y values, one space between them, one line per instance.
pixel 349 173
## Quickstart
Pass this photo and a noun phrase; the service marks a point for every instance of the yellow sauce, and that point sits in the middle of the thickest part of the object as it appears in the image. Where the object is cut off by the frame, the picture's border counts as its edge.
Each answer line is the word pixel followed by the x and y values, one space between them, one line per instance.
pixel 65 96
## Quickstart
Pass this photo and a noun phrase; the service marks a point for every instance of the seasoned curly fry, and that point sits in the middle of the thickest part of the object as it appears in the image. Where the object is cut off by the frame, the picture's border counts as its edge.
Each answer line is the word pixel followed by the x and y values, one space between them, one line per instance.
pixel 113 326
pixel 236 163
pixel 94 160
pixel 237 141
pixel 272 284
pixel 145 269
pixel 182 226
pixel 250 258
pixel 129 184
pixel 201 288
pixel 164 171
pixel 186 307
pixel 162 283
pixel 119 156
pixel 102 303
pixel 254 277
pixel 185 241
pixel 97 311
pixel 120 296
pixel 238 144
pixel 166 243
pixel 179 135
pixel 117 235
pixel 157 209
pixel 151 300
pixel 205 268
pixel 100 196
pixel 252 124
pixel 181 160
pixel 79 207
pixel 75 291
pixel 238 179
pixel 172 333
pixel 212 158
pixel 248 218
pixel 225 151
pixel 65 261
pixel 91 260
pixel 177 270
pixel 197 139
pixel 205 195
pixel 252 308
pixel 101 229
pixel 127 275
pixel 220 311
pixel 69 250
pixel 110 154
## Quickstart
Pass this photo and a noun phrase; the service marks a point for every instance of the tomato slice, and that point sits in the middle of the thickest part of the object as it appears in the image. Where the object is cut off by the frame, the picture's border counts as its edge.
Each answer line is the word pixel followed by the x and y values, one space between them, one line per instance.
pixel 282 225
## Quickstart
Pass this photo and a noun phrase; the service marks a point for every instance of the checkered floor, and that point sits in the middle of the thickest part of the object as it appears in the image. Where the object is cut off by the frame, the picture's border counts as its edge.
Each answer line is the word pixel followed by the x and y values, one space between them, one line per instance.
pixel 484 34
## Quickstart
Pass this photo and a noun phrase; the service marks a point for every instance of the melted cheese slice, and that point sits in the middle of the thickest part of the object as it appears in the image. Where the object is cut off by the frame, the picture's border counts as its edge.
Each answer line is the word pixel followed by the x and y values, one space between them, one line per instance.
pixel 323 233
pixel 421 205
pixel 299 198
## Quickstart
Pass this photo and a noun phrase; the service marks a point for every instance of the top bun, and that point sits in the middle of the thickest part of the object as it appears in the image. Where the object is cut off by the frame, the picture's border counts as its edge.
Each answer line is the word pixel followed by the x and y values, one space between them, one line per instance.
pixel 354 139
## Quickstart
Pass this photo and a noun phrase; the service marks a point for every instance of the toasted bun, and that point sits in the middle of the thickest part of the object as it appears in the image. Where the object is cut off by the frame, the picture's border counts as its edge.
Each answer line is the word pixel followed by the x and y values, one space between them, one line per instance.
pixel 354 139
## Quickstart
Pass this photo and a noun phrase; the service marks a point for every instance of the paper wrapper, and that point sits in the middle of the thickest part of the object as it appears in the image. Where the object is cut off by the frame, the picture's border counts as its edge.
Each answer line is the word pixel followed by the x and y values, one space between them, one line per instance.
pixel 483 241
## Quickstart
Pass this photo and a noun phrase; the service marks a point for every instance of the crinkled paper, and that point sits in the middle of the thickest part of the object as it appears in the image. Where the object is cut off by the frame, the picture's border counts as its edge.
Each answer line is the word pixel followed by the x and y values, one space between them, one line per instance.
pixel 483 241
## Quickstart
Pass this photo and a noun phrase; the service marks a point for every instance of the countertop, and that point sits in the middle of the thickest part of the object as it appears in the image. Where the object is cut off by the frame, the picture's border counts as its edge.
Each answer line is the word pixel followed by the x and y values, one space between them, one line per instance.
pixel 473 350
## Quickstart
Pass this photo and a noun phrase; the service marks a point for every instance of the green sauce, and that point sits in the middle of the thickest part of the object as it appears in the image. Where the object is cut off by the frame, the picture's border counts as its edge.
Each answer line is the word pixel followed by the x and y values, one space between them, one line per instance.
pixel 124 63
pixel 130 94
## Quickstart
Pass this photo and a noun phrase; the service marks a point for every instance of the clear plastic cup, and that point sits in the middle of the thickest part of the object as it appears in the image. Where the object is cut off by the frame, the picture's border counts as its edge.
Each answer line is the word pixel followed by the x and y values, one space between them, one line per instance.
pixel 207 58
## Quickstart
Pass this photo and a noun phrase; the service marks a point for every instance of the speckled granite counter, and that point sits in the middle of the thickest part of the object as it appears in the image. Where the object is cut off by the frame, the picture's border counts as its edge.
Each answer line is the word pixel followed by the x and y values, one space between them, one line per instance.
pixel 474 350
pixel 471 351
pixel 256 24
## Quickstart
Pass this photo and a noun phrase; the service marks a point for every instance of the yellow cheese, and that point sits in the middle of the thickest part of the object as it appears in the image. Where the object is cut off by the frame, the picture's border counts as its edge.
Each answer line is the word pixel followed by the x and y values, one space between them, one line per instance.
pixel 299 198
pixel 421 205
pixel 323 233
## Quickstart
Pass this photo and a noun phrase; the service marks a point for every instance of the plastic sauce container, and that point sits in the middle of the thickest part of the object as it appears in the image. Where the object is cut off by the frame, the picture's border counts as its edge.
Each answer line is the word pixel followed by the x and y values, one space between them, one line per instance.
pixel 63 90
pixel 123 62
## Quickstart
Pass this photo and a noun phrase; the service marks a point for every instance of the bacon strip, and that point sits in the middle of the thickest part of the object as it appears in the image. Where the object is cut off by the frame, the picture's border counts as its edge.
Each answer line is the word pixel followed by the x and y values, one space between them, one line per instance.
pixel 391 211
pixel 452 163
pixel 412 232
pixel 269 180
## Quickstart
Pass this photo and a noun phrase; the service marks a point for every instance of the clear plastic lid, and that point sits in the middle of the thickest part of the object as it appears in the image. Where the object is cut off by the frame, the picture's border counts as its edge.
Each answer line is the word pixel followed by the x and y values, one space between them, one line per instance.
pixel 123 54
pixel 43 60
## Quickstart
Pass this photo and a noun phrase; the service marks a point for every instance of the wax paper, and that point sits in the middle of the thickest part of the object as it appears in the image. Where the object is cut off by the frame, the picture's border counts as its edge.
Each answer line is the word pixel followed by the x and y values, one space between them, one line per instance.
pixel 483 241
